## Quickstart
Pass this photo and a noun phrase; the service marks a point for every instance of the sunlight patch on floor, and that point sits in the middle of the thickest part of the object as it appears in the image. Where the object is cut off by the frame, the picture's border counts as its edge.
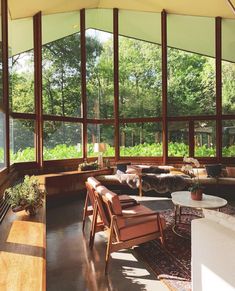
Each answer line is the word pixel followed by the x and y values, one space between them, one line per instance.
pixel 123 256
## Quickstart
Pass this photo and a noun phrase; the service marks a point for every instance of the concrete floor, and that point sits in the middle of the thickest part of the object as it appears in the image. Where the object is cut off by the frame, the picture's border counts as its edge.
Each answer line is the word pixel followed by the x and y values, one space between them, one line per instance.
pixel 71 265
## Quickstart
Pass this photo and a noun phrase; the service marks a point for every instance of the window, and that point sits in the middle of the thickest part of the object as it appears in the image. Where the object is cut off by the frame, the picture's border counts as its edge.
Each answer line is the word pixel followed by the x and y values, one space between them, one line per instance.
pixel 205 138
pixel 191 84
pixel 228 89
pixel 22 140
pixel 141 139
pixel 100 133
pixel 62 140
pixel 21 66
pixel 228 149
pixel 62 77
pixel 99 66
pixel 139 78
pixel 178 139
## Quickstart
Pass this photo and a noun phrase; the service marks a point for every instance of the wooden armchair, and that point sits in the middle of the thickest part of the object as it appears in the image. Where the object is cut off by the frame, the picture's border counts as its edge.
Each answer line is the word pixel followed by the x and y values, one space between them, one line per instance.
pixel 91 184
pixel 125 227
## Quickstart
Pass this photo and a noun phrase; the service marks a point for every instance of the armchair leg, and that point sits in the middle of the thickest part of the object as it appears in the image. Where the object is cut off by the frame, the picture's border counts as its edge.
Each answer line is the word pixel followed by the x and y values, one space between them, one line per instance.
pixel 85 213
pixel 93 226
pixel 162 237
pixel 108 250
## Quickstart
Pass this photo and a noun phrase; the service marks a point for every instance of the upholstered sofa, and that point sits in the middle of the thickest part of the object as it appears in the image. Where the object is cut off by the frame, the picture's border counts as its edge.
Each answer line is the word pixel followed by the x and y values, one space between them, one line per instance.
pixel 224 185
pixel 213 256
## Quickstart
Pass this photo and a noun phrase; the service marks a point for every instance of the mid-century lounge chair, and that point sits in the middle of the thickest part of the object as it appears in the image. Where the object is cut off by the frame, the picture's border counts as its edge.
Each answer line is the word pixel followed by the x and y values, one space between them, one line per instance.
pixel 91 185
pixel 126 227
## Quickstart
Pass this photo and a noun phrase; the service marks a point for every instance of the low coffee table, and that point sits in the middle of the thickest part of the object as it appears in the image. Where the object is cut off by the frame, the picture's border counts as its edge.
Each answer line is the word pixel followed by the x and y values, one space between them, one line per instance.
pixel 182 199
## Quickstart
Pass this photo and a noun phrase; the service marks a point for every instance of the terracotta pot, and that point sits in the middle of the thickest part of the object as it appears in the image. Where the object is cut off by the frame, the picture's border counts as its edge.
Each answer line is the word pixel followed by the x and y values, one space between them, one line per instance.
pixel 197 194
pixel 31 210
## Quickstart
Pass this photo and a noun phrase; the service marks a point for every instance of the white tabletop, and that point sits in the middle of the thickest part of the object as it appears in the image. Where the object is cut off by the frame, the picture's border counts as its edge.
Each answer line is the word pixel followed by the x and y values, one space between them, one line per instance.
pixel 183 198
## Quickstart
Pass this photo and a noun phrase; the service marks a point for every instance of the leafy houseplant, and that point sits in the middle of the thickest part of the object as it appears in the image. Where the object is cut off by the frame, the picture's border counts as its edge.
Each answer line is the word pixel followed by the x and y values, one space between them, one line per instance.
pixel 25 196
pixel 196 188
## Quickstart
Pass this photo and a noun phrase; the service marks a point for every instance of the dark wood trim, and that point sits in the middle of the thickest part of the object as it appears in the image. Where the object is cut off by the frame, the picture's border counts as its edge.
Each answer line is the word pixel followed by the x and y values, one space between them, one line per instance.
pixel 83 79
pixel 116 80
pixel 191 118
pixel 228 117
pixel 37 37
pixel 16 115
pixel 5 79
pixel 140 120
pixel 164 85
pixel 218 65
pixel 100 121
pixel 62 118
pixel 191 138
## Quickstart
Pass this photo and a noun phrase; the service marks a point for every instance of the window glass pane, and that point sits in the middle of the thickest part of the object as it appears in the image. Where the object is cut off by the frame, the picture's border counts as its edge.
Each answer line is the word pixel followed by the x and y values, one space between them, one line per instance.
pixel 228 149
pixel 21 66
pixel 191 84
pixel 205 138
pixel 99 66
pixel 2 140
pixel 178 139
pixel 62 140
pixel 141 139
pixel 139 78
pixel 100 133
pixel 228 89
pixel 62 76
pixel 22 140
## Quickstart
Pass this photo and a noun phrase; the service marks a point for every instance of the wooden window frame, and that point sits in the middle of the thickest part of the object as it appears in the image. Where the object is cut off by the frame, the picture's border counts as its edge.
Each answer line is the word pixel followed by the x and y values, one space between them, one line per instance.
pixel 39 117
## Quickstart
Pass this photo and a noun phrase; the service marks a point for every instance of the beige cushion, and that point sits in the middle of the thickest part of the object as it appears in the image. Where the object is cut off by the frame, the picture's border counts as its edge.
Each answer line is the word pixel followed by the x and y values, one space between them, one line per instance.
pixel 113 198
pixel 137 226
pixel 226 220
pixel 230 172
pixel 93 182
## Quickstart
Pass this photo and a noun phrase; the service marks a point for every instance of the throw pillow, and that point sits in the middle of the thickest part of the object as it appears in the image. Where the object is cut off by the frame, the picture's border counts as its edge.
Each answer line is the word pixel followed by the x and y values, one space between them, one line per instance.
pixel 230 172
pixel 214 170
pixel 122 167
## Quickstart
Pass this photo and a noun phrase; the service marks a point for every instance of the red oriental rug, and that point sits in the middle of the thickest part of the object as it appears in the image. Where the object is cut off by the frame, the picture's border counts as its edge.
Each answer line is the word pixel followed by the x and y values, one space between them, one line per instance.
pixel 172 265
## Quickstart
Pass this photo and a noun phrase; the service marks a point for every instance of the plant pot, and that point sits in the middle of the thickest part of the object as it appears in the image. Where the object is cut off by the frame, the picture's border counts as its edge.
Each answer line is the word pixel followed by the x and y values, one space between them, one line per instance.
pixel 197 194
pixel 31 210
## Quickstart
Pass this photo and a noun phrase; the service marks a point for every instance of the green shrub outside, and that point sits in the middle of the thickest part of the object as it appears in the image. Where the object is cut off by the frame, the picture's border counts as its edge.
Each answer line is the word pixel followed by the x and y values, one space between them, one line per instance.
pixel 63 151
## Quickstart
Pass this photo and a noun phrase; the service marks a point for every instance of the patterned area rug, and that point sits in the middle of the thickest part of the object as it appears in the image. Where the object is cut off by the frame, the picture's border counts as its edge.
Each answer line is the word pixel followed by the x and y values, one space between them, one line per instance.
pixel 172 264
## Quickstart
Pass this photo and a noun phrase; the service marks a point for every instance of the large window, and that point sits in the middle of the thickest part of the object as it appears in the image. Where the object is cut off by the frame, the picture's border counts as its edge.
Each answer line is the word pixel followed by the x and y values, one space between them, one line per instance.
pixel 21 66
pixel 62 140
pixel 100 94
pixel 139 78
pixel 191 84
pixel 62 77
pixel 141 139
pixel 21 91
pixel 22 137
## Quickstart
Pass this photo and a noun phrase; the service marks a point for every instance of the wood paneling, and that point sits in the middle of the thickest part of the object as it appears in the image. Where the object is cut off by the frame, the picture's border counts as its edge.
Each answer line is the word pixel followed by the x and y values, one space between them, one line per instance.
pixel 70 182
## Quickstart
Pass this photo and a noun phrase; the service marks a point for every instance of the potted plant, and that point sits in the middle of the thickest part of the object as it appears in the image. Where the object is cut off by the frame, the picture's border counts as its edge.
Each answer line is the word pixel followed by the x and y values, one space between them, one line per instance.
pixel 196 188
pixel 25 196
